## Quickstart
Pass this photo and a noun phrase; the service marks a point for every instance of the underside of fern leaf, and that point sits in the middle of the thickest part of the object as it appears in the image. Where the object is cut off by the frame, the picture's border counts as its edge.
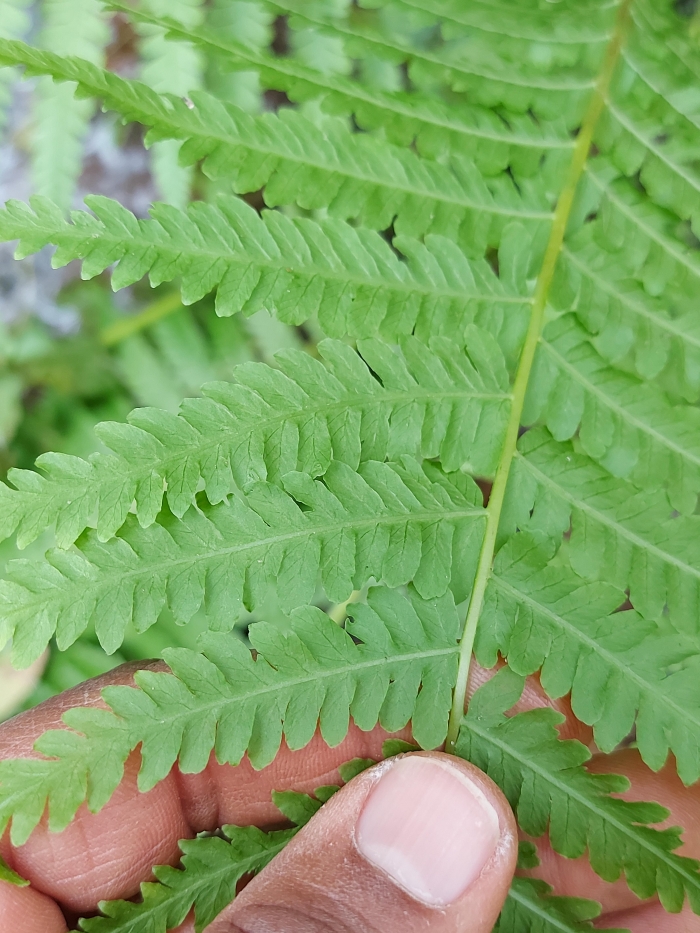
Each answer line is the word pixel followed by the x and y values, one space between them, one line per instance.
pixel 492 217
pixel 396 662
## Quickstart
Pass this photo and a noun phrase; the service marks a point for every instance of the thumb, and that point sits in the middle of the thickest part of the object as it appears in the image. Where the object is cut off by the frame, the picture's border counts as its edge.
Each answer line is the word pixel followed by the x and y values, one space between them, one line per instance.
pixel 418 842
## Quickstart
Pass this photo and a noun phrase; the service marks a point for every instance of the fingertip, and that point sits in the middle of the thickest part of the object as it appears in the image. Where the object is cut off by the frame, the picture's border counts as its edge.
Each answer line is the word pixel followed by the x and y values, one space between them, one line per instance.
pixel 418 842
pixel 24 910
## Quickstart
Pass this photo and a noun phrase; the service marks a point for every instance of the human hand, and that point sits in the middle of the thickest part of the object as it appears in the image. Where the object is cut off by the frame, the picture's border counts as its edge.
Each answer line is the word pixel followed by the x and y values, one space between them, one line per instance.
pixel 423 842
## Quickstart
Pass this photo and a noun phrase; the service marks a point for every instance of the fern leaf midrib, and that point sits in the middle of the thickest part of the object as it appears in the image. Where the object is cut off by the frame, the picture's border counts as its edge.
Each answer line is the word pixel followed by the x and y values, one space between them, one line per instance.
pixel 340 27
pixel 623 413
pixel 331 81
pixel 179 128
pixel 584 505
pixel 666 243
pixel 534 908
pixel 520 385
pixel 259 425
pixel 314 677
pixel 568 790
pixel 658 320
pixel 148 568
pixel 580 39
pixel 628 672
pixel 341 275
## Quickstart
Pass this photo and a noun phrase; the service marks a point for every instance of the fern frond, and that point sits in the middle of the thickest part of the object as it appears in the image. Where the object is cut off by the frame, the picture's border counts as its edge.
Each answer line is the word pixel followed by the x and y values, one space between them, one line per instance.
pixel 531 908
pixel 269 422
pixel 579 24
pixel 487 66
pixel 177 69
pixel 246 22
pixel 349 277
pixel 627 425
pixel 660 256
pixel 390 523
pixel 550 791
pixel 658 334
pixel 622 671
pixel 438 128
pixel 647 116
pixel 619 534
pixel 69 27
pixel 316 166
pixel 211 870
pixel 396 661
pixel 14 24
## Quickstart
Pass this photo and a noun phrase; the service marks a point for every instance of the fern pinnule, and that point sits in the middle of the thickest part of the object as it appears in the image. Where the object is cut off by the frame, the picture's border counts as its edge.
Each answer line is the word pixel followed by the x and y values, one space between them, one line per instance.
pixel 399 665
pixel 438 128
pixel 541 616
pixel 390 523
pixel 551 791
pixel 269 422
pixel 350 278
pixel 621 534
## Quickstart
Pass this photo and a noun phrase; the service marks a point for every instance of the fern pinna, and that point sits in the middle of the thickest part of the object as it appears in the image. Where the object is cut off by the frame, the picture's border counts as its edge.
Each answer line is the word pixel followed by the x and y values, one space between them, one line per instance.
pixel 497 233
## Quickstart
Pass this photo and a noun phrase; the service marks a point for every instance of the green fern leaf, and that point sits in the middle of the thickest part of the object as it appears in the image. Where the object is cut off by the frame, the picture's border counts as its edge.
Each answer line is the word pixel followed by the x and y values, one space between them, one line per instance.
pixel 177 69
pixel 489 66
pixel 351 278
pixel 619 534
pixel 74 27
pixel 621 670
pixel 211 869
pixel 472 131
pixel 550 790
pixel 11 877
pixel 269 422
pixel 396 661
pixel 390 523
pixel 627 322
pixel 314 165
pixel 629 426
pixel 530 908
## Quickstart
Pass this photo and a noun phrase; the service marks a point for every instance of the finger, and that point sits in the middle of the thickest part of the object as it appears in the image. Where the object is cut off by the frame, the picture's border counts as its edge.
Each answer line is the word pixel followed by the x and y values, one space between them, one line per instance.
pixel 576 878
pixel 420 842
pixel 109 854
pixel 25 911
pixel 106 855
pixel 100 856
pixel 652 919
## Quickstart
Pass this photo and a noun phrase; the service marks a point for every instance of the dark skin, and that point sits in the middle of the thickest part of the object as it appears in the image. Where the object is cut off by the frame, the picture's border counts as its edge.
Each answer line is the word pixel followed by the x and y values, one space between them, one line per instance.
pixel 107 855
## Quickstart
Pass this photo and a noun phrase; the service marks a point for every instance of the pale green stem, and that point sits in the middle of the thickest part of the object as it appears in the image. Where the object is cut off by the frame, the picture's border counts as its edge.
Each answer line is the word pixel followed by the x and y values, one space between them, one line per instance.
pixel 522 377
pixel 339 612
pixel 128 326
